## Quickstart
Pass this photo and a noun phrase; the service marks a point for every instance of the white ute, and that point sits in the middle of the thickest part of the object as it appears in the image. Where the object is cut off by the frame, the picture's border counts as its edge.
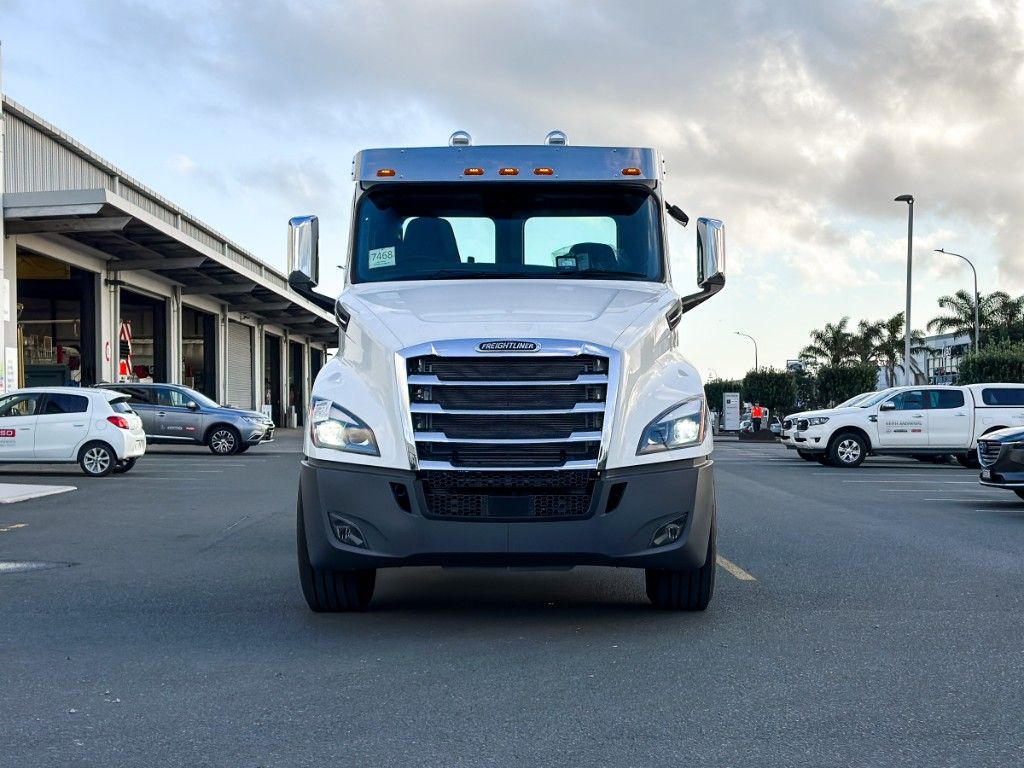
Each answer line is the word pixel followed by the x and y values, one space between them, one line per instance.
pixel 509 388
pixel 918 421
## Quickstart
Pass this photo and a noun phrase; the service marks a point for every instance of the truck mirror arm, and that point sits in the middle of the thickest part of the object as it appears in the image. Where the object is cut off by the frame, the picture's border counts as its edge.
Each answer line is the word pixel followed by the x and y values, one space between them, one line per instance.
pixel 711 286
pixel 302 288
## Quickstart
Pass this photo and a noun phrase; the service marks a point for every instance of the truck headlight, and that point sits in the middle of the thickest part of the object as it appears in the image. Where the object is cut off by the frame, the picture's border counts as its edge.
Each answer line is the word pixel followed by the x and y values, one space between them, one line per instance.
pixel 331 426
pixel 681 426
pixel 817 421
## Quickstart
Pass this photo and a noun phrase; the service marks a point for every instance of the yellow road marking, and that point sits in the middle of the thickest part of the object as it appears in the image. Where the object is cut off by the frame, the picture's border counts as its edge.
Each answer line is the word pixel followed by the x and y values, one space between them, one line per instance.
pixel 13 527
pixel 735 570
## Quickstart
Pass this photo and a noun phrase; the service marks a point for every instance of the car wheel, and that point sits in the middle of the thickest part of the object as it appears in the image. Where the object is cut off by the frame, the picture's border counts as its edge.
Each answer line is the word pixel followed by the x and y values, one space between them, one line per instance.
pixel 848 450
pixel 968 460
pixel 125 466
pixel 224 441
pixel 329 591
pixel 806 455
pixel 97 459
pixel 688 590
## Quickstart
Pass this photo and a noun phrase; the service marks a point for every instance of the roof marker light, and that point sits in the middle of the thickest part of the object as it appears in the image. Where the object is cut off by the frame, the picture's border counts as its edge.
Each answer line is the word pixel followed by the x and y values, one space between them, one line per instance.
pixel 630 171
pixel 473 172
pixel 508 171
pixel 460 139
pixel 556 139
pixel 386 172
pixel 543 171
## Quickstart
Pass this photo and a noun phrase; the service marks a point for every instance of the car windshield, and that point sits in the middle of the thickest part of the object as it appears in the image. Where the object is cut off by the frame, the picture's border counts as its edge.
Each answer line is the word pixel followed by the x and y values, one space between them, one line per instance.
pixel 878 397
pixel 853 400
pixel 201 399
pixel 507 230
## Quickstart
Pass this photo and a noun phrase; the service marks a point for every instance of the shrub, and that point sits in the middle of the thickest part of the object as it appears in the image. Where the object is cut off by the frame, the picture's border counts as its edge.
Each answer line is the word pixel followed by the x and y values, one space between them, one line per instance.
pixel 715 388
pixel 1002 361
pixel 772 388
pixel 839 383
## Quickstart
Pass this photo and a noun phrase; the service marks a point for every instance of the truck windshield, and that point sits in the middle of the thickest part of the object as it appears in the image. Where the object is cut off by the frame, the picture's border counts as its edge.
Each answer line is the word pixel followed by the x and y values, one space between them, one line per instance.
pixel 409 231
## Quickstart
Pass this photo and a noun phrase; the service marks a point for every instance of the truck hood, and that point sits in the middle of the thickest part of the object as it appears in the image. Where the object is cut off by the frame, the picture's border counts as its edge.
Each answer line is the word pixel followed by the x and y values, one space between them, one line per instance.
pixel 597 311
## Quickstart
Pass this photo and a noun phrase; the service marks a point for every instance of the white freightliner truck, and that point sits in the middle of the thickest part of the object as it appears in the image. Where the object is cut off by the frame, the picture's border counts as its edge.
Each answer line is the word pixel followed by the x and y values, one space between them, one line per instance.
pixel 509 388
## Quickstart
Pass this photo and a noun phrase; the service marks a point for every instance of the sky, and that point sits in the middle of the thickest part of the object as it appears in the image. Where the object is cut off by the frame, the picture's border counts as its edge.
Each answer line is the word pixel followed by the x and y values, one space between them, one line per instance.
pixel 796 123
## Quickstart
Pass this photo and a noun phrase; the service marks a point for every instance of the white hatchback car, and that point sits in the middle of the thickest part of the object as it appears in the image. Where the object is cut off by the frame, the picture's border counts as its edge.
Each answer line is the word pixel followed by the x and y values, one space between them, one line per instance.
pixel 95 428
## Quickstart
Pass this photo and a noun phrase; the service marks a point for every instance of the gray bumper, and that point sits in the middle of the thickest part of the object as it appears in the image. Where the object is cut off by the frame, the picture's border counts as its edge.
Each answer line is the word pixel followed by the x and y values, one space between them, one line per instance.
pixel 617 531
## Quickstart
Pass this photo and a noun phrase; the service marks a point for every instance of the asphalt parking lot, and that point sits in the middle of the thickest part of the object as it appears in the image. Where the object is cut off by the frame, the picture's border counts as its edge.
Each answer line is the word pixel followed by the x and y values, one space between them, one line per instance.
pixel 868 617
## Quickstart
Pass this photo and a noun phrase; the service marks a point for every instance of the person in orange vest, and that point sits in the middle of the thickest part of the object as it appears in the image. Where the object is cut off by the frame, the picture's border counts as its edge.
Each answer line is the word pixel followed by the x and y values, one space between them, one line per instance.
pixel 756 414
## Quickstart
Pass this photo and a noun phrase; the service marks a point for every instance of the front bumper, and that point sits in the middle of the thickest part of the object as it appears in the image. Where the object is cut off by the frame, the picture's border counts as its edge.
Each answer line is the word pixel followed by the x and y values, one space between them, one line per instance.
pixel 254 434
pixel 809 441
pixel 1007 471
pixel 627 507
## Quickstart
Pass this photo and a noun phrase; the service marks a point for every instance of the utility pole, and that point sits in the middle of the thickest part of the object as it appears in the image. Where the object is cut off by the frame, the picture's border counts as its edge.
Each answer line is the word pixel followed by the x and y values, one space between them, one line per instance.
pixel 909 200
pixel 756 368
pixel 977 296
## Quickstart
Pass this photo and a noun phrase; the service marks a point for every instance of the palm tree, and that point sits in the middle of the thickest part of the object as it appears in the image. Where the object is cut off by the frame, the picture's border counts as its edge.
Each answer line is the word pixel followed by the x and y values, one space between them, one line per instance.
pixel 829 345
pixel 864 343
pixel 890 346
pixel 1007 315
pixel 960 309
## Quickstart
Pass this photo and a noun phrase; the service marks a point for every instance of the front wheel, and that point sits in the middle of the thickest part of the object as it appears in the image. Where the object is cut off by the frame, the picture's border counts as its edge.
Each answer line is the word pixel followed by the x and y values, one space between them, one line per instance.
pixel 224 441
pixel 806 455
pixel 125 466
pixel 331 591
pixel 689 590
pixel 848 450
pixel 97 460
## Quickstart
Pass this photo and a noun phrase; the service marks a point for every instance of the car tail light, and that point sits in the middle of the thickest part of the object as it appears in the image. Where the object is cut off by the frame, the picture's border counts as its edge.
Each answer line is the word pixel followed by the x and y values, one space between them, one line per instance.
pixel 118 421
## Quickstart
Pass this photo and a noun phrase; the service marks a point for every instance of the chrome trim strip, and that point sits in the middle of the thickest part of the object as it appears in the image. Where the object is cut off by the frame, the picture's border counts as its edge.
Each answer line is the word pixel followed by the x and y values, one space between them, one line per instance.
pixel 433 381
pixel 437 409
pixel 440 437
pixel 444 465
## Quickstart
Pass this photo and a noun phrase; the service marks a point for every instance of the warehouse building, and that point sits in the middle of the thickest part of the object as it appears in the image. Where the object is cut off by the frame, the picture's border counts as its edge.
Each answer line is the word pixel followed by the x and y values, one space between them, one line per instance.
pixel 104 280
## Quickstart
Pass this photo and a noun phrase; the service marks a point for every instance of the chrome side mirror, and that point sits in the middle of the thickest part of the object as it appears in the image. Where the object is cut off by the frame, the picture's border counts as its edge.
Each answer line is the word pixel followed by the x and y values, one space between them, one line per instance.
pixel 303 252
pixel 710 251
pixel 710 263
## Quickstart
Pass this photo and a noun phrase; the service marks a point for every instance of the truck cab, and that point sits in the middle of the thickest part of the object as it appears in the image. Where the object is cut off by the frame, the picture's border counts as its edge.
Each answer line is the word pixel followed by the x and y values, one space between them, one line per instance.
pixel 509 387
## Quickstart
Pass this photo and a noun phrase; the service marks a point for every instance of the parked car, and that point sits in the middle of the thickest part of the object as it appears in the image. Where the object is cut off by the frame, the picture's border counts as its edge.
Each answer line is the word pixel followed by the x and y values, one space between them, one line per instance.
pixel 1001 455
pixel 172 413
pixel 789 424
pixel 916 421
pixel 66 425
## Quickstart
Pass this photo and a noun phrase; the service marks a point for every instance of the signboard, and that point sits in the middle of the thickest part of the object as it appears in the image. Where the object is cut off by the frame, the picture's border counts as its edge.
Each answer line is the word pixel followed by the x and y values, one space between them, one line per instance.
pixel 731 411
pixel 10 373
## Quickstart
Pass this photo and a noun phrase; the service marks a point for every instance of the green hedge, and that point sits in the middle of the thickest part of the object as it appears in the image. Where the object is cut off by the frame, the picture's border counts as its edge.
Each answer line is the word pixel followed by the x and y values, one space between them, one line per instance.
pixel 1003 361
pixel 715 388
pixel 772 388
pixel 839 383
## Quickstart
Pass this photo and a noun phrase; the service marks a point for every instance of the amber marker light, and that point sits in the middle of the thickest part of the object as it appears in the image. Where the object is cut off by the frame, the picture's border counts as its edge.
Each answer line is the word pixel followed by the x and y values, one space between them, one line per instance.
pixel 386 172
pixel 473 172
pixel 508 171
pixel 630 171
pixel 543 171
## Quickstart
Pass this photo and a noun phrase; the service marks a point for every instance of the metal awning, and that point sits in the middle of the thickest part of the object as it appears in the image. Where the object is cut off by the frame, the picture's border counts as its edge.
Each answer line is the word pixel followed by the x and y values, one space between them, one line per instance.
pixel 134 239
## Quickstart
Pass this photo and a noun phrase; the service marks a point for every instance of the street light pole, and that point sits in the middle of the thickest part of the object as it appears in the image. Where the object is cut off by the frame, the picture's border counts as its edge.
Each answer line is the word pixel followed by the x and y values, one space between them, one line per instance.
pixel 977 296
pixel 909 200
pixel 756 368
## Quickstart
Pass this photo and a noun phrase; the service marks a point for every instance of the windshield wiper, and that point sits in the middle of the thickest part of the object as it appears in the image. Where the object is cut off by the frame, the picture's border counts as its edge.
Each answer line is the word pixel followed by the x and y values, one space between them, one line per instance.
pixel 464 275
pixel 614 273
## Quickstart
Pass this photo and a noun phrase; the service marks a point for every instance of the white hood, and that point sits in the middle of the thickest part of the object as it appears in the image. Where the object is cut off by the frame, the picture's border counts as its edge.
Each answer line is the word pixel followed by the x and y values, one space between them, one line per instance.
pixel 597 311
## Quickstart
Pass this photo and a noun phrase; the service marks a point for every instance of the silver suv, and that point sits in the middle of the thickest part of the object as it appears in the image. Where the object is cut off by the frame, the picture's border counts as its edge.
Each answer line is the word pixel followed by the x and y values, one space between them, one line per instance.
pixel 172 413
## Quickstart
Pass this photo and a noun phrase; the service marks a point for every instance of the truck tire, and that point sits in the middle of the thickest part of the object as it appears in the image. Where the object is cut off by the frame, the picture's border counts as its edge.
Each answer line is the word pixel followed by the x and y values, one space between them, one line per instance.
pixel 848 450
pixel 805 455
pixel 689 590
pixel 331 591
pixel 968 460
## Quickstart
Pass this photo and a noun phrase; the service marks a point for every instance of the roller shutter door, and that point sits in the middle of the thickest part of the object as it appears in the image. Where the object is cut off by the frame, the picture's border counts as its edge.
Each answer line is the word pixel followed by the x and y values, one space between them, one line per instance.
pixel 239 365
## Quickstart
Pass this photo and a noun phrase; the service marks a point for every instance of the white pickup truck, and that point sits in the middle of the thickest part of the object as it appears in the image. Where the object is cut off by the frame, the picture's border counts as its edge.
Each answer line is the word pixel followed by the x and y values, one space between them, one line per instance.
pixel 917 421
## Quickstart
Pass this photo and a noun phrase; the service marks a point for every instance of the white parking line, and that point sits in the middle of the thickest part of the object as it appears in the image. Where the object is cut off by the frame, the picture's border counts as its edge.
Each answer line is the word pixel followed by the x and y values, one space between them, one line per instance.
pixel 933 482
pixel 734 569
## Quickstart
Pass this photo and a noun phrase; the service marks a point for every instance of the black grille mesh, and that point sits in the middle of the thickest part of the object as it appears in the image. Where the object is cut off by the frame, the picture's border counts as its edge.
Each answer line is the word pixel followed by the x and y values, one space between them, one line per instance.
pixel 562 494
pixel 988 452
pixel 508 427
pixel 507 368
pixel 498 398
pixel 484 455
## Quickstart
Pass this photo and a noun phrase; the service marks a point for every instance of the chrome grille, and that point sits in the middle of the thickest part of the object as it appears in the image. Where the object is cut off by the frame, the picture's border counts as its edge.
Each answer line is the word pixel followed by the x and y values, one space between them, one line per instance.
pixel 988 452
pixel 526 411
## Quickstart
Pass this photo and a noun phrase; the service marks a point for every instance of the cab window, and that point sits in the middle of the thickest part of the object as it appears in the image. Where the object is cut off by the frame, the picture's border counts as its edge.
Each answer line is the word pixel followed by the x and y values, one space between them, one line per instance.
pixel 19 405
pixel 59 403
pixel 137 394
pixel 945 399
pixel 909 401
